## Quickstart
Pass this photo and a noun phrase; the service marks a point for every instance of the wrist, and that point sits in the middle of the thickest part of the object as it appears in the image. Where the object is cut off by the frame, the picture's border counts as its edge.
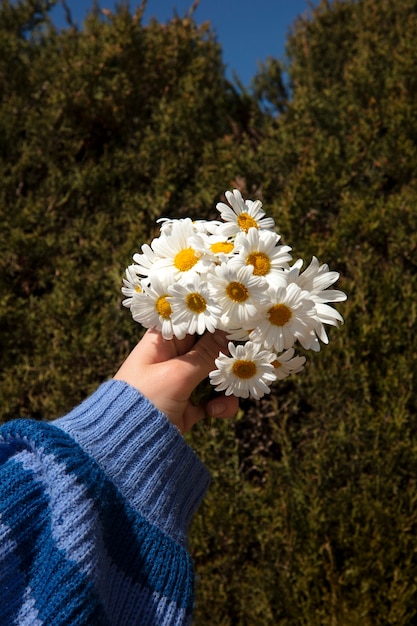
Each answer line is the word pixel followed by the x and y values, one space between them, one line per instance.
pixel 143 453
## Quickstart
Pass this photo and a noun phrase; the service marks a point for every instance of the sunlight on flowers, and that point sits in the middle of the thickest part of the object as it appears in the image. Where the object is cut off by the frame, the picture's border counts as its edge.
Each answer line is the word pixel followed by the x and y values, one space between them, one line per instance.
pixel 233 274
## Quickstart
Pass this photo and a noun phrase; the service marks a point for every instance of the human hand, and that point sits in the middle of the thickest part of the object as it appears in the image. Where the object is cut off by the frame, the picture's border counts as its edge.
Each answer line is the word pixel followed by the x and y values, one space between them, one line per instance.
pixel 167 372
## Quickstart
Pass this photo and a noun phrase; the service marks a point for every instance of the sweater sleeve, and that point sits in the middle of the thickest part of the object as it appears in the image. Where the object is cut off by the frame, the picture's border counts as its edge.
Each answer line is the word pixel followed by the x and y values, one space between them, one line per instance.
pixel 94 514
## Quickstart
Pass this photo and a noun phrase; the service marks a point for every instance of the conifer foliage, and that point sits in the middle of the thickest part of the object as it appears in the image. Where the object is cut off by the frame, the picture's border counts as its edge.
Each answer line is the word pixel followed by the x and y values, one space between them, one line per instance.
pixel 103 129
pixel 312 516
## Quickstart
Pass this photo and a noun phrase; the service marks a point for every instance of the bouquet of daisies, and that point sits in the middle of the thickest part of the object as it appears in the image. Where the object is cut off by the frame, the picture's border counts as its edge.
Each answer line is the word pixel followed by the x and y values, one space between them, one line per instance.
pixel 233 274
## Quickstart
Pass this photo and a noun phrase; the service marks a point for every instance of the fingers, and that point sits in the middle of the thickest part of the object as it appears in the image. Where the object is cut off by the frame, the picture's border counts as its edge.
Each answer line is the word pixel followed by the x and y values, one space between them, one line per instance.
pixel 180 374
pixel 153 348
pixel 222 407
pixel 195 365
pixel 167 372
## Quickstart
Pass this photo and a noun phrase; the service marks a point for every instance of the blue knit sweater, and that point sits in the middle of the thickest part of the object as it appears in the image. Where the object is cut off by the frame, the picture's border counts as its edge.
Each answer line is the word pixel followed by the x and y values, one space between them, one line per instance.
pixel 94 513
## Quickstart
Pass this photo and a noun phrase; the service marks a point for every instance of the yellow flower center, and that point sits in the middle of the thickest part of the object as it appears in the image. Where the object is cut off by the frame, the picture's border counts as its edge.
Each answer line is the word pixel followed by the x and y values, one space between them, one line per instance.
pixel 244 369
pixel 261 263
pixel 279 314
pixel 163 307
pixel 245 221
pixel 222 246
pixel 138 288
pixel 185 259
pixel 277 364
pixel 237 292
pixel 196 302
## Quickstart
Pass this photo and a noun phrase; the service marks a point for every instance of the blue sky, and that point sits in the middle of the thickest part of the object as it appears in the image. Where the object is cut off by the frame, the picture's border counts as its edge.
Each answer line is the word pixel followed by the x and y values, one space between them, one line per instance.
pixel 248 30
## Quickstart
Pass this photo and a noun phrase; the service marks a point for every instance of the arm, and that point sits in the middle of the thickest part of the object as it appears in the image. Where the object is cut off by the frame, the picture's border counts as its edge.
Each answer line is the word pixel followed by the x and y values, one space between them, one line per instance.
pixel 95 507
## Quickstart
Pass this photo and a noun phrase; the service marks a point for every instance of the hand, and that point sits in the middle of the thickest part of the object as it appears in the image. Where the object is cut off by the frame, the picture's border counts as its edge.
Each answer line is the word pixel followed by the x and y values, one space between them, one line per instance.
pixel 167 371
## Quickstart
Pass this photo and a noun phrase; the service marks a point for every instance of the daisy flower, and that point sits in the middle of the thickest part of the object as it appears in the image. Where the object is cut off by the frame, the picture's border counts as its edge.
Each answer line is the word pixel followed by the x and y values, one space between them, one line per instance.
pixel 145 261
pixel 316 279
pixel 152 308
pixel 260 250
pixel 165 222
pixel 211 227
pixel 248 371
pixel 132 285
pixel 194 310
pixel 238 292
pixel 200 226
pixel 238 334
pixel 241 215
pixel 207 227
pixel 220 248
pixel 289 315
pixel 175 252
pixel 286 364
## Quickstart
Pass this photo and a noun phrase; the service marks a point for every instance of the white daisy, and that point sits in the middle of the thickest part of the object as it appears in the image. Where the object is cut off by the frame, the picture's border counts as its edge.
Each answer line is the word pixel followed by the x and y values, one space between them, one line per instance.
pixel 152 308
pixel 218 247
pixel 193 308
pixel 238 334
pixel 145 262
pixel 290 315
pixel 316 279
pixel 242 215
pixel 239 294
pixel 165 223
pixel 286 364
pixel 211 227
pixel 176 252
pixel 207 227
pixel 200 226
pixel 132 285
pixel 260 250
pixel 248 371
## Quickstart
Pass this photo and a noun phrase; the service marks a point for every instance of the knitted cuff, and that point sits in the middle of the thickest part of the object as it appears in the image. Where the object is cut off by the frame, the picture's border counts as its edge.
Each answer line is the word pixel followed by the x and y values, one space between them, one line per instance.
pixel 145 455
